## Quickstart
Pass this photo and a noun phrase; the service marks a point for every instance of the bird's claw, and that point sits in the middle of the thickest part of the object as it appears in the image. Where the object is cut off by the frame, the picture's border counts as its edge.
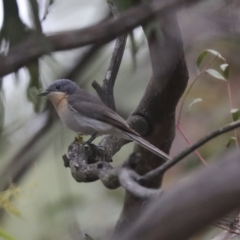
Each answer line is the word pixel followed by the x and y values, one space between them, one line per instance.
pixel 79 138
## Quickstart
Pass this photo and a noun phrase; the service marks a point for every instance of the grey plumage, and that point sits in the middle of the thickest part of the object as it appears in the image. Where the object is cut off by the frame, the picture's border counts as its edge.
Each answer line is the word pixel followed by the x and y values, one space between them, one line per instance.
pixel 85 113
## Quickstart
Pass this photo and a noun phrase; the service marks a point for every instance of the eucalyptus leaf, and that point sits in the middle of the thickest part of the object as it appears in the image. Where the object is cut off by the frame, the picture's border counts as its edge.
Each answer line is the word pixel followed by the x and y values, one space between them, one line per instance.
pixel 225 70
pixel 204 53
pixel 215 74
pixel 235 114
pixel 197 100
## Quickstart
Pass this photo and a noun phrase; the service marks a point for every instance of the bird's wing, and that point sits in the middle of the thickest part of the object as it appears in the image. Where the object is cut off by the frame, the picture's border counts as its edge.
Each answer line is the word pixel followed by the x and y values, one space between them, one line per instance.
pixel 90 106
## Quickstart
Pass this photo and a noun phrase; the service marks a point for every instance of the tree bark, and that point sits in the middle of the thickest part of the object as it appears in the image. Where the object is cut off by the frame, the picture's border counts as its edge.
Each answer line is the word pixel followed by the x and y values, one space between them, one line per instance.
pixel 158 104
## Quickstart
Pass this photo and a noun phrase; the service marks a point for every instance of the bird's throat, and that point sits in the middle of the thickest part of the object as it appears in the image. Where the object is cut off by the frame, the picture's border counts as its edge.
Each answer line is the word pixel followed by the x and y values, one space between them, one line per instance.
pixel 58 99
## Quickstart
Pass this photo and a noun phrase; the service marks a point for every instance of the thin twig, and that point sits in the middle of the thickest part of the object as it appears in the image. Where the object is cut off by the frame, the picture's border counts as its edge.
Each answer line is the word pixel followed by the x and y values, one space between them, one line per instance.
pixel 190 87
pixel 163 168
pixel 231 107
pixel 189 143
pixel 106 91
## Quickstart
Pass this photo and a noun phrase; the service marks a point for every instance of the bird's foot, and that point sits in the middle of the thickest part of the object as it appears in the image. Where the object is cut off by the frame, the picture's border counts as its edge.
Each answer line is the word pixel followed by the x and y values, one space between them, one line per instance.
pixel 79 138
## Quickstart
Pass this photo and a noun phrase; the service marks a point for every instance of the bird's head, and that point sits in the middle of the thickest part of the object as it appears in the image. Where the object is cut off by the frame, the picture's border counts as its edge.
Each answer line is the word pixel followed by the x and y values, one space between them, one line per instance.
pixel 59 87
pixel 59 90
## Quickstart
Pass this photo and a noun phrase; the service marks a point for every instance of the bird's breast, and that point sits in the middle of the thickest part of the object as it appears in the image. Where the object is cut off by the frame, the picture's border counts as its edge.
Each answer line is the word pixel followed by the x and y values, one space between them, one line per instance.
pixel 60 103
pixel 76 121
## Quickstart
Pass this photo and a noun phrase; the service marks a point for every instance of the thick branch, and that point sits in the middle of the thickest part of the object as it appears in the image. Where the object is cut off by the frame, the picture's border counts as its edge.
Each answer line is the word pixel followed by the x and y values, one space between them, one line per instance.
pixel 158 104
pixel 201 199
pixel 100 33
pixel 83 169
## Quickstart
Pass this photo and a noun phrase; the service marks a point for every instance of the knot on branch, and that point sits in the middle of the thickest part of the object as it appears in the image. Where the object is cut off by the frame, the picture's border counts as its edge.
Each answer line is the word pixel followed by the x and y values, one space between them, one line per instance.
pixel 139 124
pixel 85 160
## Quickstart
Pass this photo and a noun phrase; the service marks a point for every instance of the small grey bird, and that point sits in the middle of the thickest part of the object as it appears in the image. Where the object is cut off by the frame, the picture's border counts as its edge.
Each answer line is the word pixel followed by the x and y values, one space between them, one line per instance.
pixel 86 114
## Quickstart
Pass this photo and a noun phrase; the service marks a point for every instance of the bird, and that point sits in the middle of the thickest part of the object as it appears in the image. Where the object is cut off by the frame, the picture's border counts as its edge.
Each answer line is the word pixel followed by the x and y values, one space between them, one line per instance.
pixel 85 114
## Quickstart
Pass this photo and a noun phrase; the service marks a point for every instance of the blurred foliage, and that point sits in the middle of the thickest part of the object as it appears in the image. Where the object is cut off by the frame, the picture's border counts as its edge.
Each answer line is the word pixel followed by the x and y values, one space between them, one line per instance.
pixel 59 207
pixel 6 197
pixel 5 235
pixel 14 31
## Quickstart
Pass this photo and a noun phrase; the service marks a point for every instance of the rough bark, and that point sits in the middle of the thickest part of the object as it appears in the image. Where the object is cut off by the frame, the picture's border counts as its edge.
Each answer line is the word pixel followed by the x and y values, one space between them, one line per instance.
pixel 158 105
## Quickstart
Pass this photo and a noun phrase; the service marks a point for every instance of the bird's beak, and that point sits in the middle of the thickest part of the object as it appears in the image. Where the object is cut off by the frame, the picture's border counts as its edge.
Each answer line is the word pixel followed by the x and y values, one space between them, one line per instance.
pixel 44 93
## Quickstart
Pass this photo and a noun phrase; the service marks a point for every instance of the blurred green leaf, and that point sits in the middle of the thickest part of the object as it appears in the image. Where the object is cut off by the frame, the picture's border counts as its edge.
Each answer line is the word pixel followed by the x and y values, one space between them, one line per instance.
pixel 34 85
pixel 5 235
pixel 35 14
pixel 235 114
pixel 13 29
pixel 225 70
pixel 215 74
pixel 197 100
pixel 134 50
pixel 87 237
pixel 231 140
pixel 5 200
pixel 120 5
pixel 204 53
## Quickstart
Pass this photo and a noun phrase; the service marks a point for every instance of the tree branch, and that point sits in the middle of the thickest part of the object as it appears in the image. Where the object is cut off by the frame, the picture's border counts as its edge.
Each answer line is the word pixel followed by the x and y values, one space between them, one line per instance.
pixel 100 33
pixel 83 169
pixel 163 92
pixel 128 180
pixel 195 203
pixel 106 91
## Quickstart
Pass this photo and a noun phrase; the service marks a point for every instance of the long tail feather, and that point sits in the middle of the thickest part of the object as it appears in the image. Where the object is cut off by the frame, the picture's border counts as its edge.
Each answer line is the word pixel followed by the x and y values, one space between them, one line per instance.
pixel 148 146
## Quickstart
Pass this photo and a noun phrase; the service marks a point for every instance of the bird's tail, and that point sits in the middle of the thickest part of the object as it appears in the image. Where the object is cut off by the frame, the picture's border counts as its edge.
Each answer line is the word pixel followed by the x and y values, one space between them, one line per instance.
pixel 147 145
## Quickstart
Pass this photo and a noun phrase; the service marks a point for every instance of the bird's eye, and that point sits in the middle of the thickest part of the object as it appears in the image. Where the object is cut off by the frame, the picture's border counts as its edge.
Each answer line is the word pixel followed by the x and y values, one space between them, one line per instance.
pixel 58 87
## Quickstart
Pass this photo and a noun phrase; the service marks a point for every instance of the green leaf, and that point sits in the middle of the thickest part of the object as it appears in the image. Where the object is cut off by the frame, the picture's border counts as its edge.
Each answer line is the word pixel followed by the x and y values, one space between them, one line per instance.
pixel 225 70
pixel 215 74
pixel 203 54
pixel 235 114
pixel 197 100
pixel 5 235
pixel 231 140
